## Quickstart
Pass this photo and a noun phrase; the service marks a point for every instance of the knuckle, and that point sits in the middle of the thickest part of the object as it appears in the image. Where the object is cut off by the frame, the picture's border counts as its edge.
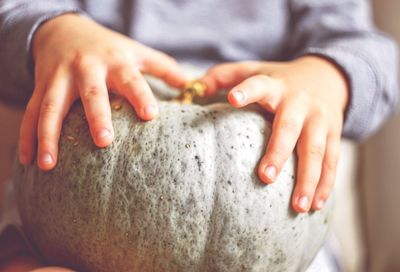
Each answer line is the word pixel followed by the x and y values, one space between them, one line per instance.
pixel 278 155
pixel 331 165
pixel 303 97
pixel 48 108
pixel 120 71
pixel 128 78
pixel 83 61
pixel 321 111
pixel 46 137
pixel 316 150
pixel 213 71
pixel 220 72
pixel 91 92
pixel 288 125
pixel 117 56
pixel 264 79
pixel 222 76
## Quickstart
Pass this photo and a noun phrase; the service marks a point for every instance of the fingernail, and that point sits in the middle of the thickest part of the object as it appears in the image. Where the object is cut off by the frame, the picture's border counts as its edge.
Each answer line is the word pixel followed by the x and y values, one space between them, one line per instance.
pixel 303 203
pixel 238 95
pixel 270 172
pixel 150 111
pixel 47 158
pixel 320 204
pixel 104 134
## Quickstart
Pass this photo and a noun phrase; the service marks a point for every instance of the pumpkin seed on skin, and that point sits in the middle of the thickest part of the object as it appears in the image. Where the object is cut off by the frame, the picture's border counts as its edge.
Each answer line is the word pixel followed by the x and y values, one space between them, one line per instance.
pixel 187 145
pixel 70 138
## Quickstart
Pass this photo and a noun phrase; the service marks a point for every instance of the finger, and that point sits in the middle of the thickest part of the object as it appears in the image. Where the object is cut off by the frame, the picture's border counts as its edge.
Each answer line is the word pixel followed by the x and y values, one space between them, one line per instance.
pixel 55 105
pixel 260 89
pixel 28 129
pixel 91 81
pixel 164 67
pixel 131 84
pixel 311 150
pixel 286 129
pixel 328 174
pixel 227 75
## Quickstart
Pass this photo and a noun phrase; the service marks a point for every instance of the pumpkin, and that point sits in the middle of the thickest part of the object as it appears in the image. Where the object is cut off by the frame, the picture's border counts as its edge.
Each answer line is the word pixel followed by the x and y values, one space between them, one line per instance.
pixel 179 193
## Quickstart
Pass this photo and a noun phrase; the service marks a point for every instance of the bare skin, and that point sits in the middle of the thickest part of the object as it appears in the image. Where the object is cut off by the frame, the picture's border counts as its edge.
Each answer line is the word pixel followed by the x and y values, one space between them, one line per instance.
pixel 77 58
pixel 28 263
pixel 308 97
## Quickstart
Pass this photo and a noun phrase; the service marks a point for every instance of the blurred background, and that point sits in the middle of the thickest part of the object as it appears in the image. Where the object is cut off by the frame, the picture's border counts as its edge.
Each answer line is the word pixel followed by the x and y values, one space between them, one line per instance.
pixel 380 172
pixel 367 220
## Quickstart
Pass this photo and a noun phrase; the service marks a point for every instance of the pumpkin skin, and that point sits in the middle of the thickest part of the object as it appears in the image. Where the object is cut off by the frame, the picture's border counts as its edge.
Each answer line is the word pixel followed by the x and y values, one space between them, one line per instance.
pixel 179 193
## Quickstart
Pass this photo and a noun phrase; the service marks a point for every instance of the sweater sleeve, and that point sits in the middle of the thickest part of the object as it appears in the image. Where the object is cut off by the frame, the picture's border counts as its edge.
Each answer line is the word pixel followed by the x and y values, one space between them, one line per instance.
pixel 19 20
pixel 342 32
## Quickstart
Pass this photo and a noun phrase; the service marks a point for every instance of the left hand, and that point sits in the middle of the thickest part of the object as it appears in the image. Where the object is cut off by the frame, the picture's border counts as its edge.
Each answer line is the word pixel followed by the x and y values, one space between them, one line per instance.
pixel 308 97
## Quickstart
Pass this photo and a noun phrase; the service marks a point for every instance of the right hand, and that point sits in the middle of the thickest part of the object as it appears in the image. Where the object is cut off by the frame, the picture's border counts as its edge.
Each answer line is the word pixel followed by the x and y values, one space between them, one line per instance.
pixel 77 58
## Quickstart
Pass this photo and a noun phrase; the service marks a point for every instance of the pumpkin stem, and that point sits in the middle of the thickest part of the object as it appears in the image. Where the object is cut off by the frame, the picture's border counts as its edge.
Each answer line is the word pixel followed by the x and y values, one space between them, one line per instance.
pixel 192 89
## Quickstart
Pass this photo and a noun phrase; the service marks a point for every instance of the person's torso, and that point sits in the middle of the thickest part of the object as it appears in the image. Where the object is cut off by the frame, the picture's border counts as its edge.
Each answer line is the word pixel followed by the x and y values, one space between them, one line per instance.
pixel 201 32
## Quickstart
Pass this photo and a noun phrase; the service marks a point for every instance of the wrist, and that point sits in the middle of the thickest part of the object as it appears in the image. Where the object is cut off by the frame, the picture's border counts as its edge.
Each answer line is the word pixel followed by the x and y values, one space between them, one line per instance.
pixel 330 74
pixel 45 31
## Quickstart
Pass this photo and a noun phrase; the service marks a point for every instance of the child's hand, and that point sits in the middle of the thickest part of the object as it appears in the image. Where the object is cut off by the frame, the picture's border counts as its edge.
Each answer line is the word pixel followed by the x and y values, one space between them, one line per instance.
pixel 308 97
pixel 77 58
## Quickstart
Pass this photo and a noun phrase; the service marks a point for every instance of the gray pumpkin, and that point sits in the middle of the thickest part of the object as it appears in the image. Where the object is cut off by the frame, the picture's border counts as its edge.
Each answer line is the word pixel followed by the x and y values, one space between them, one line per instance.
pixel 179 193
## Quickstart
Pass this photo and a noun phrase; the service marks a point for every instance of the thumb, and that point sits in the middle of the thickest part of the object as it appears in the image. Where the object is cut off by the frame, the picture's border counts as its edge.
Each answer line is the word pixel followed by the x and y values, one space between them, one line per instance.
pixel 228 75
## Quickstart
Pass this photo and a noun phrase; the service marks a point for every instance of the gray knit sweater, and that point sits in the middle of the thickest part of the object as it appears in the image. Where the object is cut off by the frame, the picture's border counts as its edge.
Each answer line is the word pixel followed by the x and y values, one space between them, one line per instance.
pixel 205 32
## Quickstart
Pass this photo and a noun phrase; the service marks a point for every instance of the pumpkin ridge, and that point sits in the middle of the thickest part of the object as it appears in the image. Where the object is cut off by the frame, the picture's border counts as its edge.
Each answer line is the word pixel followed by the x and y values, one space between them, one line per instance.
pixel 210 230
pixel 118 146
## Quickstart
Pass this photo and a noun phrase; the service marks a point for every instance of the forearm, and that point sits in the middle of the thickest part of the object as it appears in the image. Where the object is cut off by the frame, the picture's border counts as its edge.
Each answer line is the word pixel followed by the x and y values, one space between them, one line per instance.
pixel 19 21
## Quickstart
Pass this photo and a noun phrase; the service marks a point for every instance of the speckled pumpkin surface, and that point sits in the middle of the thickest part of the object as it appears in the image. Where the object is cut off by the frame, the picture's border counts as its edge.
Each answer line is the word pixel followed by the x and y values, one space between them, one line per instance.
pixel 179 193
